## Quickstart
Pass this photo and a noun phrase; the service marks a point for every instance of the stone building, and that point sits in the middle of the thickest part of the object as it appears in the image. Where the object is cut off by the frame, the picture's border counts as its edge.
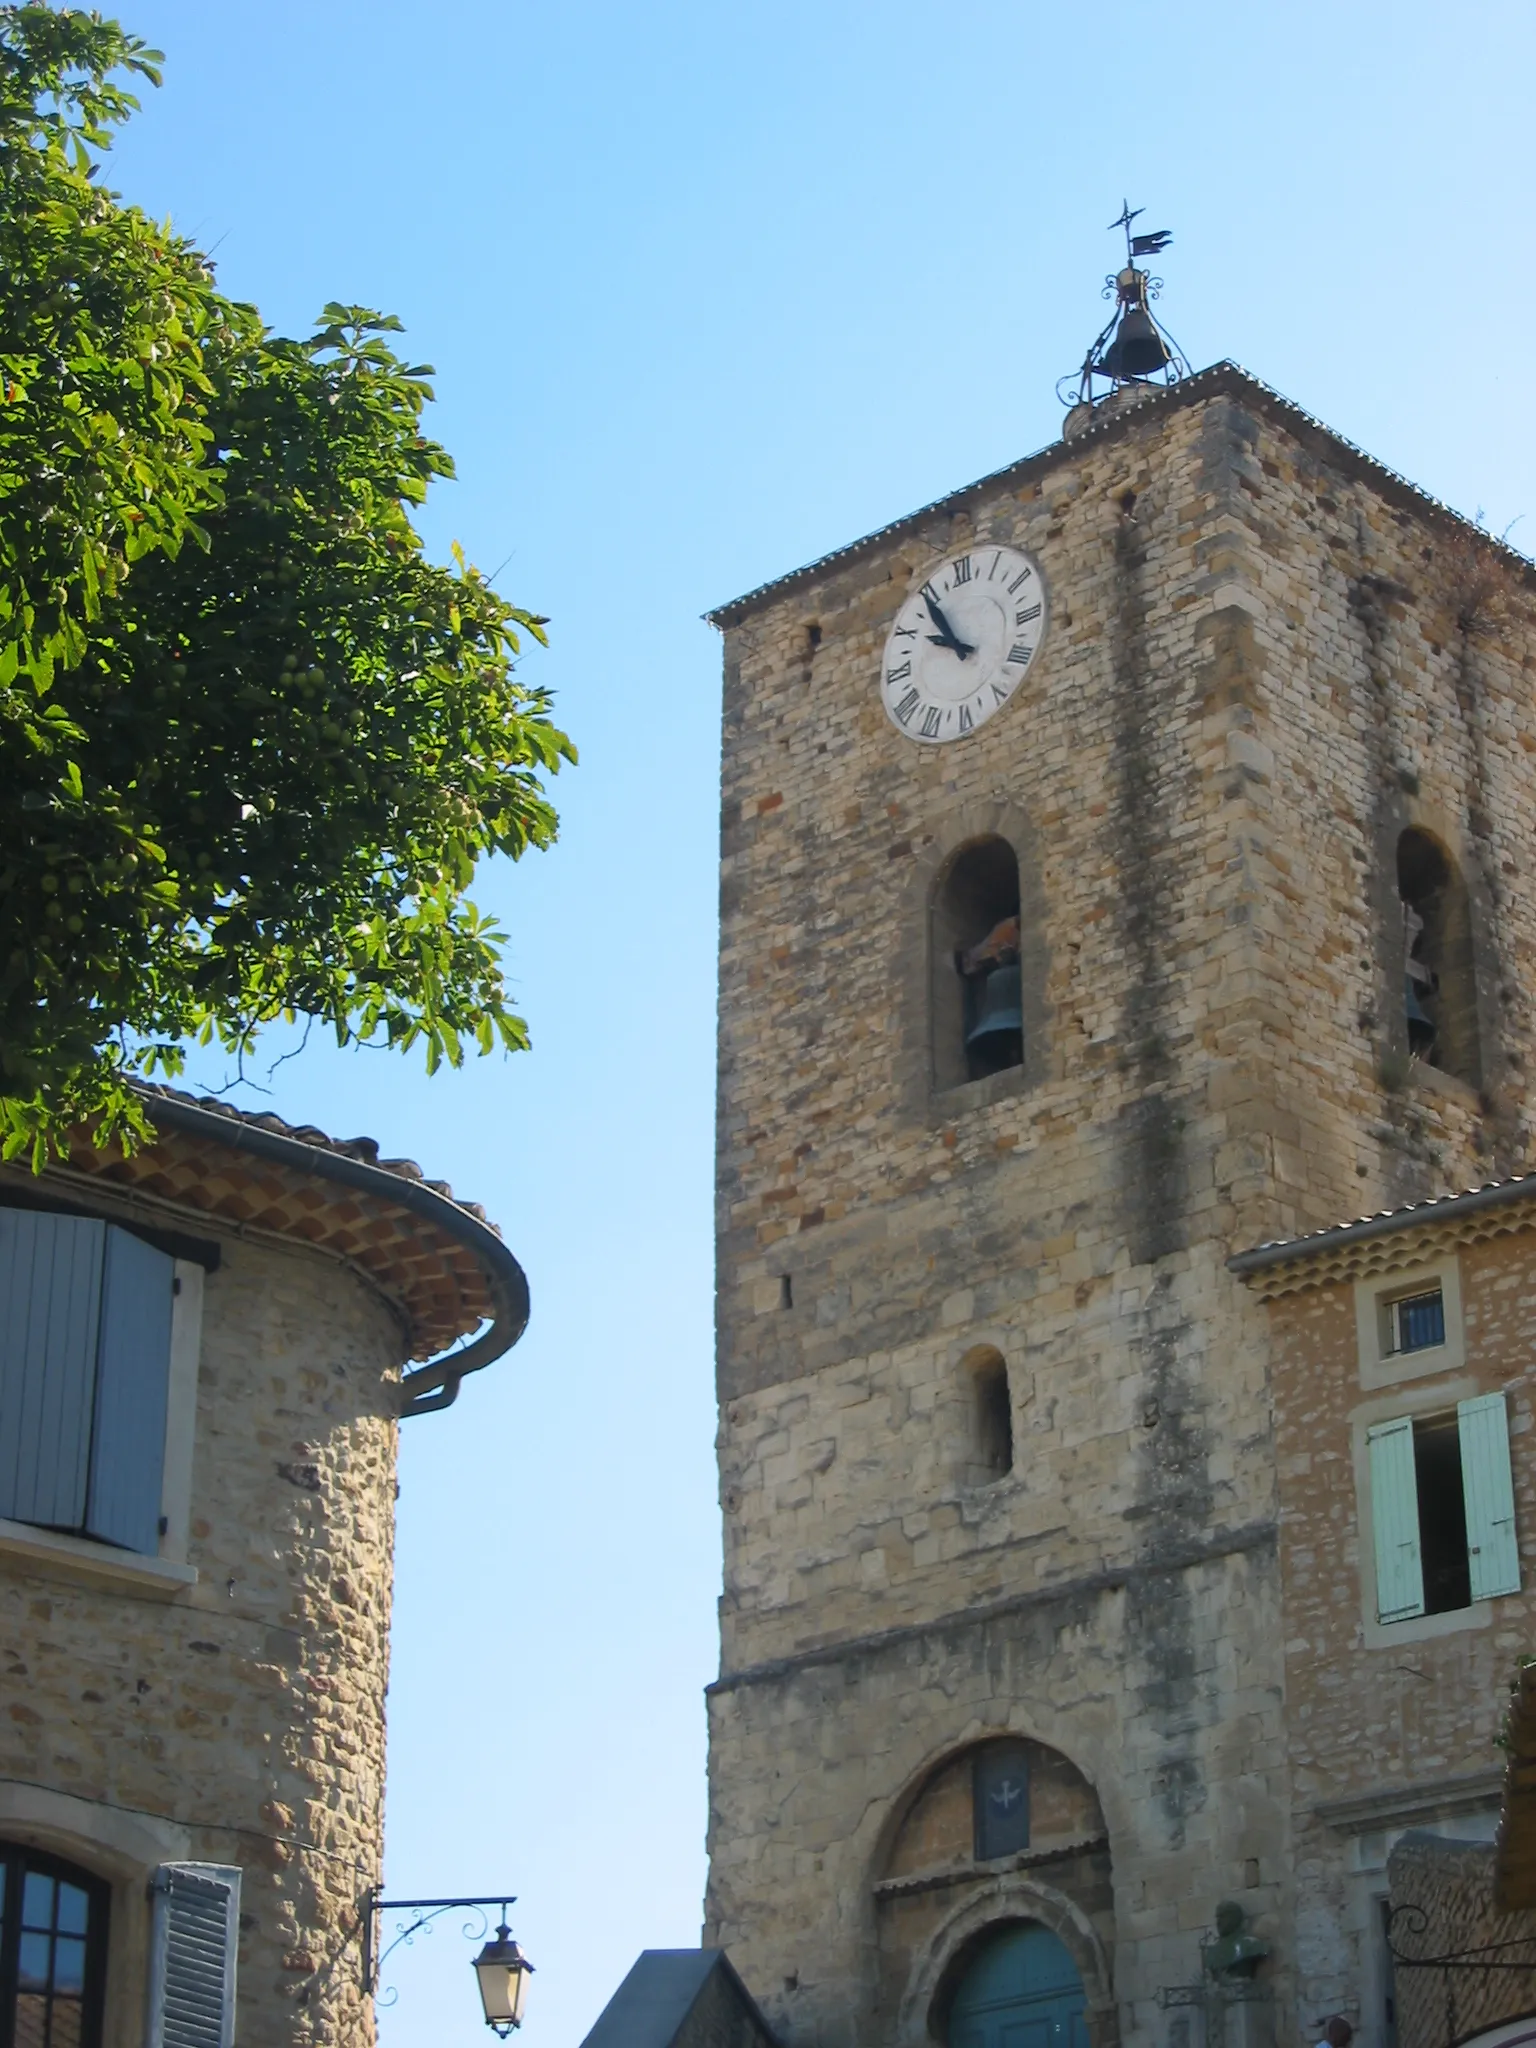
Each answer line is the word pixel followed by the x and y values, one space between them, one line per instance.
pixel 200 1387
pixel 1125 861
pixel 1403 1394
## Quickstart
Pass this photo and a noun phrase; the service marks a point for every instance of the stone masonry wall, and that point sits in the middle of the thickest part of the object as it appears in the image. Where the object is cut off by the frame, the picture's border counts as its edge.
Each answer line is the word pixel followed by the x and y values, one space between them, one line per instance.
pixel 1191 776
pixel 1374 1709
pixel 245 1716
pixel 1446 1888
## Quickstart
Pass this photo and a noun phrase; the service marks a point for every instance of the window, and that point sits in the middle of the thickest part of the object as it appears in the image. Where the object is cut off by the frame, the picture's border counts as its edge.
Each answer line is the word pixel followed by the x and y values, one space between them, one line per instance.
pixel 85 1352
pixel 1415 1322
pixel 977 1001
pixel 1408 1322
pixel 991 1416
pixel 1442 1510
pixel 1439 979
pixel 53 1952
pixel 1000 1799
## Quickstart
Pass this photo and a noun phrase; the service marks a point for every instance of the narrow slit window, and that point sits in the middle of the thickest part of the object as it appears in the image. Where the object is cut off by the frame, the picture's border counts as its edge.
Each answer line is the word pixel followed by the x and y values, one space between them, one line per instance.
pixel 991 1418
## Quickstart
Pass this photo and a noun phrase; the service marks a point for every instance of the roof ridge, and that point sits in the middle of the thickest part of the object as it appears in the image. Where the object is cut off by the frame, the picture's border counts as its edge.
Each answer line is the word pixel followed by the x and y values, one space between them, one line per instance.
pixel 1164 397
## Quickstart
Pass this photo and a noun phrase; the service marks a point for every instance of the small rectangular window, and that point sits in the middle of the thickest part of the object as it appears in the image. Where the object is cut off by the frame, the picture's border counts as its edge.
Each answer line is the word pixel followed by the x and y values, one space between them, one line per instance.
pixel 1416 1322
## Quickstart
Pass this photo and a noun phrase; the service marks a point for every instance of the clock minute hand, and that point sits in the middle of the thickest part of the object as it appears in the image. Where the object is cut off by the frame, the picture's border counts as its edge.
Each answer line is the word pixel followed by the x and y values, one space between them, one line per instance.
pixel 946 636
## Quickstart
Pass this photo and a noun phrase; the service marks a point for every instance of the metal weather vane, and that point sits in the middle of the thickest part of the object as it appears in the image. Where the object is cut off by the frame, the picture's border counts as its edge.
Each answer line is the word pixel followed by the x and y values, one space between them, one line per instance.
pixel 1132 347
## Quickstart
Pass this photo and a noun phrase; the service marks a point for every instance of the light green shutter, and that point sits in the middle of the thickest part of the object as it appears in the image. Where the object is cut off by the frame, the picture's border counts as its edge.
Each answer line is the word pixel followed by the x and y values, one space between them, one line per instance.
pixel 1492 1552
pixel 1395 1521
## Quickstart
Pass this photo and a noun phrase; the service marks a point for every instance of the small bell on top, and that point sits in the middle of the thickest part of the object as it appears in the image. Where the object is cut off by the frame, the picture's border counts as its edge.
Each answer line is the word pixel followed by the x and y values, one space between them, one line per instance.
pixel 1131 349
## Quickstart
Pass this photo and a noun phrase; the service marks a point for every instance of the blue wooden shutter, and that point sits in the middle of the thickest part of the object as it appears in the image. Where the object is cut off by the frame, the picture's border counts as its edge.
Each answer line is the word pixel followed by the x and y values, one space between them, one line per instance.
pixel 133 1363
pixel 1492 1552
pixel 192 1956
pixel 1395 1521
pixel 50 1301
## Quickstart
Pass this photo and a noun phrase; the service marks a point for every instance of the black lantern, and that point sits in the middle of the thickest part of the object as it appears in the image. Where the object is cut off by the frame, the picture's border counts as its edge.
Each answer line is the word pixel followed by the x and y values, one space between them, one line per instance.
pixel 503 1972
pixel 501 1969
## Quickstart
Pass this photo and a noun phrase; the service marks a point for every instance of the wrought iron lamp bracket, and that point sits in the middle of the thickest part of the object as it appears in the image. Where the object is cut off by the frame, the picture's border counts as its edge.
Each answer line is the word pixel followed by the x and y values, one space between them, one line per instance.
pixel 375 1906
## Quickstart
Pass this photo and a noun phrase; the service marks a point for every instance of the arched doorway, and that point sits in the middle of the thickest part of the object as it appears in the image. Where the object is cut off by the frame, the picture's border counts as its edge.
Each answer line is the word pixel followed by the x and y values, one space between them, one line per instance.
pixel 1020 1990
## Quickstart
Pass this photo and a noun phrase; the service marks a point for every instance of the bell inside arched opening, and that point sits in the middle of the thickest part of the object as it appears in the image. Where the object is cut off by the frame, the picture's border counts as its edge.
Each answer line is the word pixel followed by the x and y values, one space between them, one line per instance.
pixel 978 1013
pixel 1439 977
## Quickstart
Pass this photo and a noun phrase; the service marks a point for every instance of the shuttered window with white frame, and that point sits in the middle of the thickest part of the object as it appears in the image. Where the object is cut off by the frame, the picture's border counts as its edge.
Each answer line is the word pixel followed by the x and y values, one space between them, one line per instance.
pixel 1404 1519
pixel 193 1946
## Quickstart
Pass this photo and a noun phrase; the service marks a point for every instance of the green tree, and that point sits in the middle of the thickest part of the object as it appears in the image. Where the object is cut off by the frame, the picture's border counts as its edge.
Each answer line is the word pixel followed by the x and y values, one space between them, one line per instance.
pixel 253 742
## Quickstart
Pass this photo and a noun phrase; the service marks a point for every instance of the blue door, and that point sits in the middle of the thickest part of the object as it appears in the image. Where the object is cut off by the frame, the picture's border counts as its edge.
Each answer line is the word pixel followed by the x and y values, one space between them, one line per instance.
pixel 1022 1991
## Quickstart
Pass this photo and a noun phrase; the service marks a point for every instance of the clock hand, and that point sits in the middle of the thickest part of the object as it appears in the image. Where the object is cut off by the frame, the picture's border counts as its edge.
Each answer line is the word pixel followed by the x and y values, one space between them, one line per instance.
pixel 945 637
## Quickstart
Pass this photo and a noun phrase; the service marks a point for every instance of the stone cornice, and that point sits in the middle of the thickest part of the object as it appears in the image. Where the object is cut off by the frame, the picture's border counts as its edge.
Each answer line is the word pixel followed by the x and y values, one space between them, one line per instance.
pixel 1222 1543
pixel 1385 1806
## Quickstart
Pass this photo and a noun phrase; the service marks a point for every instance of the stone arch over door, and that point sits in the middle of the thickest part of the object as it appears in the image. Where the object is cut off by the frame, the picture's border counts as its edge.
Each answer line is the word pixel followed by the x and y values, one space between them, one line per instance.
pixel 1017 1899
pixel 999 1833
pixel 1021 1989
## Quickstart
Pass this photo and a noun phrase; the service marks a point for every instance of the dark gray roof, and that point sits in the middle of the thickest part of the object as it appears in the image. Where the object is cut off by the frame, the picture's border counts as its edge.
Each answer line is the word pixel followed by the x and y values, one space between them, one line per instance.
pixel 651 2007
pixel 1220 377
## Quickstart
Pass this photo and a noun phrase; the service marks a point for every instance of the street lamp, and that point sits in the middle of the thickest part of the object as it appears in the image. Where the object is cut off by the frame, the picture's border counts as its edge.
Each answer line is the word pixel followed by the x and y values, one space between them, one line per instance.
pixel 503 1972
pixel 501 1969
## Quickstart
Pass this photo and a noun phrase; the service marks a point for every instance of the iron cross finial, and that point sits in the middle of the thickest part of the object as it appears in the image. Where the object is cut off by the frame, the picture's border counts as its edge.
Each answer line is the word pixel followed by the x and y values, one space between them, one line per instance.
pixel 1127 214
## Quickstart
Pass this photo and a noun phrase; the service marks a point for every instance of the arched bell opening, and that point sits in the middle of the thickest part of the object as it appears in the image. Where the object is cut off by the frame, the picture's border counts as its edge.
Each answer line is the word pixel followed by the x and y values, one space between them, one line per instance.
pixel 978 997
pixel 1439 969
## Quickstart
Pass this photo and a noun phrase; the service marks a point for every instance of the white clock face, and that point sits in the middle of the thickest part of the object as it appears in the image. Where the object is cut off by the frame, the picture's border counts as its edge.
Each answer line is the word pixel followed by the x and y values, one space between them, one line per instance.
pixel 963 642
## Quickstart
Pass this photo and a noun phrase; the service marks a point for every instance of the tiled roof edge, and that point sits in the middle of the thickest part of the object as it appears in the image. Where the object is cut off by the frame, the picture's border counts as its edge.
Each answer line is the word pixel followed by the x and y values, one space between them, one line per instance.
pixel 1223 376
pixel 364 1149
pixel 436 1383
pixel 1414 1216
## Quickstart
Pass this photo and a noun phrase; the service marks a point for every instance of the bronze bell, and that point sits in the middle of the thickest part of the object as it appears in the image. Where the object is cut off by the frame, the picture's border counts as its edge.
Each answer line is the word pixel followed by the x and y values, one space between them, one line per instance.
pixel 1138 350
pixel 1421 1026
pixel 999 1009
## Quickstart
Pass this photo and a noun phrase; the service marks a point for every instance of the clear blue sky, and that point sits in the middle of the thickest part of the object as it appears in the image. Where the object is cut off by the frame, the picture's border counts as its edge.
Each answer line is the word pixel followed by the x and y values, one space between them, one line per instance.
pixel 711 289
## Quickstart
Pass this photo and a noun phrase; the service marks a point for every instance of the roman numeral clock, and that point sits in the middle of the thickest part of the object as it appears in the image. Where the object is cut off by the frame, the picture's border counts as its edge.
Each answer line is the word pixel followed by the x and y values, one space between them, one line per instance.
pixel 962 642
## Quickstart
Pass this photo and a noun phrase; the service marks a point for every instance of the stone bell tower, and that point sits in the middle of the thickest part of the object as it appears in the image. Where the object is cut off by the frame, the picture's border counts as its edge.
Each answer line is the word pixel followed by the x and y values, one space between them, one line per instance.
pixel 1074 828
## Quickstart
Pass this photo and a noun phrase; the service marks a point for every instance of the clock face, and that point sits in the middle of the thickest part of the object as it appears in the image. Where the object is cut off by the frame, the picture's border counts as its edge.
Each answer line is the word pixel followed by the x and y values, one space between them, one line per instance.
pixel 963 643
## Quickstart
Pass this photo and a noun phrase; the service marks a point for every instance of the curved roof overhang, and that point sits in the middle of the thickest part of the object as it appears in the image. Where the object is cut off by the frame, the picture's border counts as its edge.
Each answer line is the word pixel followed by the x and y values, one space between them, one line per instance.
pixel 440 1266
